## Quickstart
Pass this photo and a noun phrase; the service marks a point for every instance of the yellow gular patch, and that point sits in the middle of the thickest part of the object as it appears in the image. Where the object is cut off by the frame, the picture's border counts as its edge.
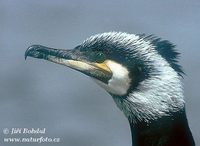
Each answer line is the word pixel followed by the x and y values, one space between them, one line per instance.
pixel 103 66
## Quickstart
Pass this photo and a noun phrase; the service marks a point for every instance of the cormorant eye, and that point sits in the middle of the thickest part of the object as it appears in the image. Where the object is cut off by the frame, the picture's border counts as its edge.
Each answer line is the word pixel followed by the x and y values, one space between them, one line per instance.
pixel 100 57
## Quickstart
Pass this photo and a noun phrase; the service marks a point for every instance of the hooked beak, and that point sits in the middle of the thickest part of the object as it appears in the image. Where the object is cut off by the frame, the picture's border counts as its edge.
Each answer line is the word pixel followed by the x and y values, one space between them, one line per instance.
pixel 72 59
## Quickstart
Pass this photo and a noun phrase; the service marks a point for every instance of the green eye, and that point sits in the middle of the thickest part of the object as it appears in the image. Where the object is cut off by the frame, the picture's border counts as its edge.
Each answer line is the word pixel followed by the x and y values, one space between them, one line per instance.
pixel 100 57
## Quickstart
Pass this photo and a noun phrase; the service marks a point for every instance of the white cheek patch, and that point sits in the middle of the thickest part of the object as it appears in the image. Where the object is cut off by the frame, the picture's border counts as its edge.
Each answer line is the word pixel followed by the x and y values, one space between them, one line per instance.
pixel 120 81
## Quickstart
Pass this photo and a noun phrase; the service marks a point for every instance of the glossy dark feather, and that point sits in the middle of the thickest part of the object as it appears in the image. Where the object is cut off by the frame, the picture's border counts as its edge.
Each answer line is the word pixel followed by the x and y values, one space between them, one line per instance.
pixel 167 50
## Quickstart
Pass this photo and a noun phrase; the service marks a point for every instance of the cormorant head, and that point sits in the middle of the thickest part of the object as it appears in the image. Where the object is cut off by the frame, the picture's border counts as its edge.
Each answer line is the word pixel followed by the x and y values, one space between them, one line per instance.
pixel 141 73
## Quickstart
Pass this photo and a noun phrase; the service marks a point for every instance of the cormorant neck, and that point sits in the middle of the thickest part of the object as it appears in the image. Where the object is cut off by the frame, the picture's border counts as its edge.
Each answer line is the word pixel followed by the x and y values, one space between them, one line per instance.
pixel 170 130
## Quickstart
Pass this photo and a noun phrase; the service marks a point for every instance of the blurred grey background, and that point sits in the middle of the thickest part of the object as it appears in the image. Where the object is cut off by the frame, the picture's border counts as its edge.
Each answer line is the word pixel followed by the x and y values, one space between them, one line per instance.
pixel 39 94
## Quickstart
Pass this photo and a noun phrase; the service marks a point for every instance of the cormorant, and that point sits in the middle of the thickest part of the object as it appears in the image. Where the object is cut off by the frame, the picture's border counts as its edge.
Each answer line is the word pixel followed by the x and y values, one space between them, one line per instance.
pixel 142 75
